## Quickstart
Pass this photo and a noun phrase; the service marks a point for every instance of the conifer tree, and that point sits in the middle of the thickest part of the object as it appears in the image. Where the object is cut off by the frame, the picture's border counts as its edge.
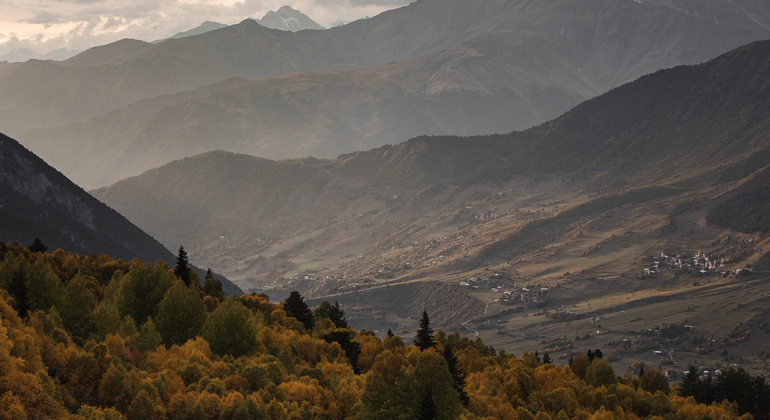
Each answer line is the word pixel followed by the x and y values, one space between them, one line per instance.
pixel 295 306
pixel 457 374
pixel 689 385
pixel 37 246
pixel 390 333
pixel 547 359
pixel 428 409
pixel 213 286
pixel 424 338
pixel 181 270
pixel 337 316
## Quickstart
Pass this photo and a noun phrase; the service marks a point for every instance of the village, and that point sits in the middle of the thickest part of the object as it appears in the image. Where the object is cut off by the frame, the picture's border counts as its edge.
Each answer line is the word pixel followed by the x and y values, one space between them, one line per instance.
pixel 699 264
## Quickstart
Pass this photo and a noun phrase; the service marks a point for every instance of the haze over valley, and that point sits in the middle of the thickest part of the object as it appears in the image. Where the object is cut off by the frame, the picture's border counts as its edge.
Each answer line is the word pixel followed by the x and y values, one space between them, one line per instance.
pixel 539 178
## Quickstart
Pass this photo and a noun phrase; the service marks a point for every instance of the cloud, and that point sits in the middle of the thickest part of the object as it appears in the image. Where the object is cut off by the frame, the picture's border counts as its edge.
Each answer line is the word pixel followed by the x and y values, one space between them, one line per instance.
pixel 45 25
pixel 46 19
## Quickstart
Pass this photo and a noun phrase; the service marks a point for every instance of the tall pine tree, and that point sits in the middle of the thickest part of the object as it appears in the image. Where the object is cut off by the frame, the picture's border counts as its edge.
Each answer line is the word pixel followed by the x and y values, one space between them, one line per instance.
pixel 689 385
pixel 295 306
pixel 424 338
pixel 37 246
pixel 457 374
pixel 182 271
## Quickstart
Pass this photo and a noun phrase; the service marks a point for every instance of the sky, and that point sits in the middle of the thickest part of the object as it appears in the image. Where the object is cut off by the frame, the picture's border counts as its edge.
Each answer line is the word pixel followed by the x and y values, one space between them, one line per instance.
pixel 45 25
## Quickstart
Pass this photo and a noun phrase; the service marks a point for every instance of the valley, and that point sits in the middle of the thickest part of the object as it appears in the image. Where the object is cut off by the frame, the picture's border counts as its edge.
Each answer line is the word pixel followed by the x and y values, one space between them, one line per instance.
pixel 577 206
pixel 487 210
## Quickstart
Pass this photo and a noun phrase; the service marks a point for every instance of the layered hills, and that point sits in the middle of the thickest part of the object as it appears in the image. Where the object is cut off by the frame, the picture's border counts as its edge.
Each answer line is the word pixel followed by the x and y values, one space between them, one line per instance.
pixel 570 211
pixel 39 202
pixel 434 67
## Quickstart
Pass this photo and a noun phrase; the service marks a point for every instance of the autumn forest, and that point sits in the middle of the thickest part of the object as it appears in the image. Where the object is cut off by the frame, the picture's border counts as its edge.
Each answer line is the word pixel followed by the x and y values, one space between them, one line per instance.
pixel 89 337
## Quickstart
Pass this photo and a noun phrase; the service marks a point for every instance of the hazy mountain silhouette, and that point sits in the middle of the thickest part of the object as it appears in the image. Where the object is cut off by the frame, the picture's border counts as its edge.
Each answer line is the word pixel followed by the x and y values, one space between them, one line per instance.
pixel 525 63
pixel 682 128
pixel 36 201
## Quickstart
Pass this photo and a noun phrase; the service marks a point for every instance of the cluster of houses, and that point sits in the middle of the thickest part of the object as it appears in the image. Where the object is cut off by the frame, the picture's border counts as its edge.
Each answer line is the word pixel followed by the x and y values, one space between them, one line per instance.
pixel 700 263
pixel 527 295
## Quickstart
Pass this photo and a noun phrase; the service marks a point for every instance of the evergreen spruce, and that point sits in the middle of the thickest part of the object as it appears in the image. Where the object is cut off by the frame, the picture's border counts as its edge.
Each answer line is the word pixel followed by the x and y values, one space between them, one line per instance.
pixel 424 338
pixel 537 356
pixel 295 306
pixel 590 355
pixel 18 289
pixel 337 316
pixel 181 270
pixel 641 371
pixel 689 385
pixel 546 358
pixel 598 354
pixel 457 374
pixel 212 286
pixel 37 246
pixel 428 409
pixel 390 333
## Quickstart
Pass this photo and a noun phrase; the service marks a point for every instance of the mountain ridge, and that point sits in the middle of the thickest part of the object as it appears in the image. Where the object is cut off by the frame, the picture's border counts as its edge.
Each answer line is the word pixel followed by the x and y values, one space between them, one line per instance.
pixel 646 133
pixel 39 202
pixel 509 78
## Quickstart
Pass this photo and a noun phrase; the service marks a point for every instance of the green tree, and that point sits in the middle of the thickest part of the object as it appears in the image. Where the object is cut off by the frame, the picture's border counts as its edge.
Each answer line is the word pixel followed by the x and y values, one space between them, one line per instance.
pixel 249 410
pixel 600 373
pixel 17 287
pixel 547 359
pixel 142 289
pixel 213 286
pixel 689 385
pixel 77 308
pixel 458 376
pixel 352 349
pixel 230 330
pixel 431 372
pixel 181 315
pixel 428 409
pixel 181 270
pixel 390 391
pixel 149 338
pixel 144 408
pixel 333 313
pixel 295 306
pixel 44 289
pixel 424 339
pixel 37 246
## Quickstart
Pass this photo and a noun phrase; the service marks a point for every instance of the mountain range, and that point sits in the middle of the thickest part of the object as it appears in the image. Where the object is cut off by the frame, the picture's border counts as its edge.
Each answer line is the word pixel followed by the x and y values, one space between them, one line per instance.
pixel 684 129
pixel 37 201
pixel 434 67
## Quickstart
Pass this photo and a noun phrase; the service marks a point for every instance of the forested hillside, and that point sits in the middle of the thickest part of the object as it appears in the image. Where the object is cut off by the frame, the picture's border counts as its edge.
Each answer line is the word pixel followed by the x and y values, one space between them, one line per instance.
pixel 95 338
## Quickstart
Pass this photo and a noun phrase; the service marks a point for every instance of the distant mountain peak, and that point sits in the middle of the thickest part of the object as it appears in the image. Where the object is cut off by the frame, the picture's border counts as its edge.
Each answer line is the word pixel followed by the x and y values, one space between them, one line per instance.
pixel 288 19
pixel 204 27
